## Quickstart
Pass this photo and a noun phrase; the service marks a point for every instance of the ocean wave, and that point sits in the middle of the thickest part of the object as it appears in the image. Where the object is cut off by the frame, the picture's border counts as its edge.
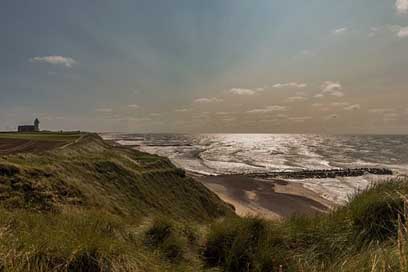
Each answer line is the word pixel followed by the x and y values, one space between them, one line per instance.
pixel 217 154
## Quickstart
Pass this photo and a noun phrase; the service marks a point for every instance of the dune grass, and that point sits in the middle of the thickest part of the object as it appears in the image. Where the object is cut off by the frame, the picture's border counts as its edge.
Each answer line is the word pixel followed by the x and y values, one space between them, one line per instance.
pixel 94 207
pixel 368 234
pixel 44 136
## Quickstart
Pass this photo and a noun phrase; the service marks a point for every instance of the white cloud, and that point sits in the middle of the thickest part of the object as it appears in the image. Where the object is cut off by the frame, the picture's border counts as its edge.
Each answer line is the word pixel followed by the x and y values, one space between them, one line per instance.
pixel 104 110
pixel 222 113
pixel 240 91
pixel 297 98
pixel 340 104
pixel 182 110
pixel 317 105
pixel 331 88
pixel 381 110
pixel 68 62
pixel 340 30
pixel 352 107
pixel 290 84
pixel 401 6
pixel 403 32
pixel 205 100
pixel 268 109
pixel 134 106
pixel 300 119
pixel 400 31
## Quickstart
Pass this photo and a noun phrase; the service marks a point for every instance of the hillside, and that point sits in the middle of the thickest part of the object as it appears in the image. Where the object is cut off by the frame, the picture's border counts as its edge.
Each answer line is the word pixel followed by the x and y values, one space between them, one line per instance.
pixel 91 206
pixel 90 187
pixel 90 173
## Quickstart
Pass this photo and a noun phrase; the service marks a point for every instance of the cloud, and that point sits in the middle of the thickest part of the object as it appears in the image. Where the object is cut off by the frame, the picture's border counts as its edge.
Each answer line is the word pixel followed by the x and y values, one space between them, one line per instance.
pixel 134 106
pixel 352 107
pixel 297 98
pixel 57 60
pixel 340 104
pixel 290 84
pixel 331 88
pixel 268 109
pixel 182 110
pixel 103 110
pixel 391 115
pixel 240 91
pixel 205 100
pixel 300 119
pixel 331 117
pixel 403 32
pixel 317 105
pixel 308 53
pixel 231 119
pixel 222 113
pixel 401 6
pixel 400 31
pixel 381 110
pixel 339 31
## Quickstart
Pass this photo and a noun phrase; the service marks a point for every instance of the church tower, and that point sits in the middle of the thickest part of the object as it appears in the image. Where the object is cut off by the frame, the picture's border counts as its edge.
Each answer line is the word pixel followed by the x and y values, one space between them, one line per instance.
pixel 36 125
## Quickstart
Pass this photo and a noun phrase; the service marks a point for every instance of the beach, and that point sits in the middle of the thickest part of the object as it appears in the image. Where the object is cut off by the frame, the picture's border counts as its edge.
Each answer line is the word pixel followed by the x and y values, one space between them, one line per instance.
pixel 274 200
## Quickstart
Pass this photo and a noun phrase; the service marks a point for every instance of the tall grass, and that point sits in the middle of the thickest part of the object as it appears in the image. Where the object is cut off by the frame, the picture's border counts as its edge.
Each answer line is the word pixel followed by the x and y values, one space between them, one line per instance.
pixel 369 234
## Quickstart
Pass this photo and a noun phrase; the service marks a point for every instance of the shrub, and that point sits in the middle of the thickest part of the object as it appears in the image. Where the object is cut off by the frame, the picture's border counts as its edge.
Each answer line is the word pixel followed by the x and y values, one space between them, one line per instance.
pixel 162 235
pixel 377 219
pixel 243 245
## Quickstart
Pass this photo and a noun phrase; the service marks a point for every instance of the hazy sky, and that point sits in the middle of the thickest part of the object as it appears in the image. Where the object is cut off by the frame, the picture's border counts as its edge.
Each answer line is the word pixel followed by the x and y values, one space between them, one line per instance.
pixel 280 66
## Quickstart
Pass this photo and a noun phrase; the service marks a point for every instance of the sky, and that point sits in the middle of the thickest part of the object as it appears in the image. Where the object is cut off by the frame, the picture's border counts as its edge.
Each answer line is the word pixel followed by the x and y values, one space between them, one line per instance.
pixel 214 66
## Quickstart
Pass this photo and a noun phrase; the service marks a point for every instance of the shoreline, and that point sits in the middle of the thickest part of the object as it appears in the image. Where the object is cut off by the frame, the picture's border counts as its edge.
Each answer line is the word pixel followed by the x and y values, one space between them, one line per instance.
pixel 271 199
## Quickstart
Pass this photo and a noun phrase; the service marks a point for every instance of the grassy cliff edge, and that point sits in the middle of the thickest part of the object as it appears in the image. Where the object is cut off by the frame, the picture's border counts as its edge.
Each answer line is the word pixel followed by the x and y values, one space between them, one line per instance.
pixel 91 206
pixel 81 206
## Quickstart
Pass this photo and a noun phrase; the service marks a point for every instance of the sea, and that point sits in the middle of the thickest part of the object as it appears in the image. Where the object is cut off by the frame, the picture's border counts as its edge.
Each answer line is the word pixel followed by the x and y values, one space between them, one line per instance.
pixel 221 154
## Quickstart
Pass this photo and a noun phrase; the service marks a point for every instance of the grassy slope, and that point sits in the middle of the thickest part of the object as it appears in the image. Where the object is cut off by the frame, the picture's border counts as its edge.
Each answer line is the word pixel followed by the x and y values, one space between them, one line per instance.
pixel 369 234
pixel 93 207
pixel 46 136
pixel 93 174
pixel 85 206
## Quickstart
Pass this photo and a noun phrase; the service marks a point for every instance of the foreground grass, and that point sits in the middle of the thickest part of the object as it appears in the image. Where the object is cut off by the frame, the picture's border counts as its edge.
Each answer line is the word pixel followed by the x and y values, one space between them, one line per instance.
pixel 94 207
pixel 80 240
pixel 369 234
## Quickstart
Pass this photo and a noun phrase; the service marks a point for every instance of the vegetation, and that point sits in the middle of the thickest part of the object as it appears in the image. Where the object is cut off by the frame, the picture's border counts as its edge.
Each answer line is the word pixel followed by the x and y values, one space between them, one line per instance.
pixel 45 136
pixel 369 234
pixel 90 206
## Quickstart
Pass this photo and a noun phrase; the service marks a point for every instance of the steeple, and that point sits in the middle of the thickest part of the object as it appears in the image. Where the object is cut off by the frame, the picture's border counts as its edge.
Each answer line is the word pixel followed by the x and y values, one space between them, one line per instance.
pixel 36 124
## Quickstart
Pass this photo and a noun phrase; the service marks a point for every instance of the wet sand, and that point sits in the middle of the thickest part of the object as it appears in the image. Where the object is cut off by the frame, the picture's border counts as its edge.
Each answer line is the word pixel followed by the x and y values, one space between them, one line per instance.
pixel 275 199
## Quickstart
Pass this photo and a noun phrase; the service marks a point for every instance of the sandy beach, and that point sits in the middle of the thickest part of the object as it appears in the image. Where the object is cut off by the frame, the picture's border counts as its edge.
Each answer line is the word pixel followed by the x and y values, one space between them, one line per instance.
pixel 270 199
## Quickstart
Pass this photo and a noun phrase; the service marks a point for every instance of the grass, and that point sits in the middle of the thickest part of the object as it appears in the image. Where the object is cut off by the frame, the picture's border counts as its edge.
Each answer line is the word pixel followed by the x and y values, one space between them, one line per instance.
pixel 163 235
pixel 43 136
pixel 94 207
pixel 368 234
pixel 93 174
pixel 88 206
